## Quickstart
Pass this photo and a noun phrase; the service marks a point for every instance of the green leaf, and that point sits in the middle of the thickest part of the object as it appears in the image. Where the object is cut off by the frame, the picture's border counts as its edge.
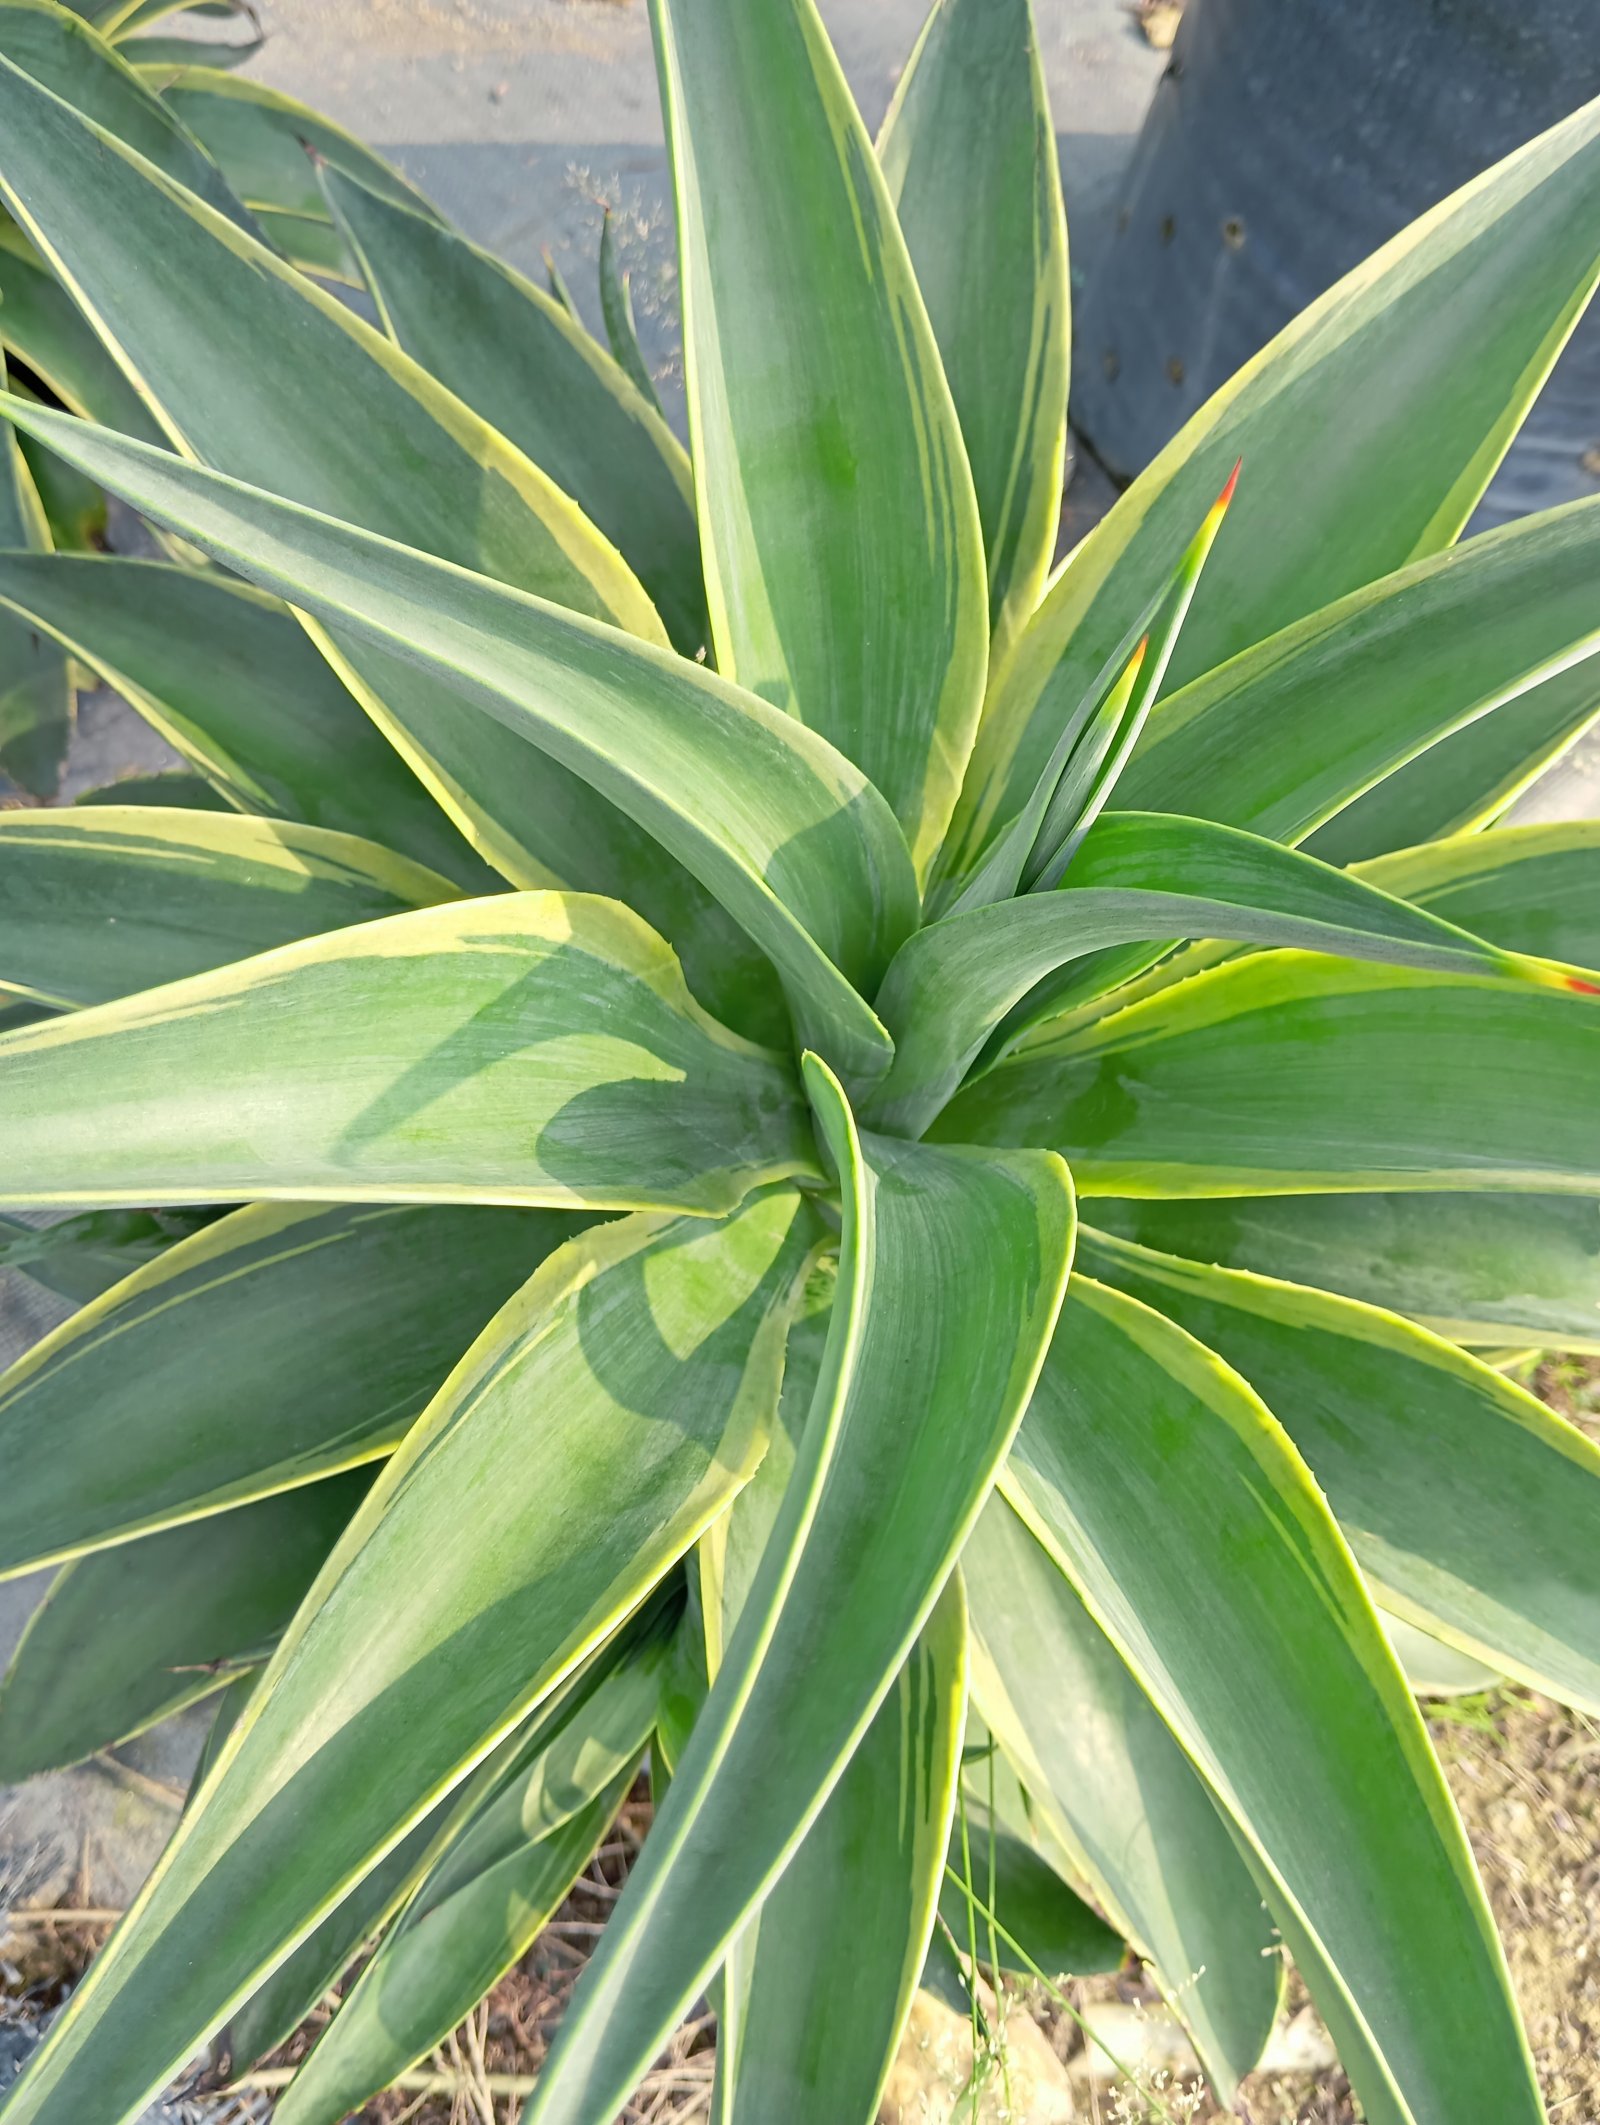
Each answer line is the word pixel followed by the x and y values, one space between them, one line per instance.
pixel 531 1048
pixel 36 696
pixel 1530 888
pixel 1471 778
pixel 826 1971
pixel 1364 403
pixel 1431 1668
pixel 1038 1922
pixel 480 1908
pixel 918 1398
pixel 843 555
pixel 1115 1792
pixel 417 1651
pixel 75 511
pixel 969 156
pixel 1193 1531
pixel 158 58
pixel 65 56
pixel 129 1635
pixel 80 1257
pixel 259 139
pixel 167 786
pixel 99 903
pixel 1136 874
pixel 1469 1506
pixel 227 676
pixel 867 1872
pixel 332 1329
pixel 41 326
pixel 220 342
pixel 1449 645
pixel 616 309
pixel 778 826
pixel 517 358
pixel 1475 1268
pixel 1282 1074
pixel 277 2007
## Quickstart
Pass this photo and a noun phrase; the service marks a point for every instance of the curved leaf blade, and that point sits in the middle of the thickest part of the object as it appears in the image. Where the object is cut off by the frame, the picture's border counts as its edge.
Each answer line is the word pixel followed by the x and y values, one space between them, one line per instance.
pixel 953 983
pixel 332 1327
pixel 537 377
pixel 1117 1794
pixel 969 156
pixel 66 56
pixel 867 1871
pixel 1285 1075
pixel 534 1048
pixel 100 903
pixel 1414 661
pixel 1365 394
pixel 843 554
pixel 1488 1269
pixel 130 1635
pixel 916 1403
pixel 416 1652
pixel 479 1909
pixel 1530 888
pixel 1281 1689
pixel 379 441
pixel 792 840
pixel 1469 1505
pixel 227 676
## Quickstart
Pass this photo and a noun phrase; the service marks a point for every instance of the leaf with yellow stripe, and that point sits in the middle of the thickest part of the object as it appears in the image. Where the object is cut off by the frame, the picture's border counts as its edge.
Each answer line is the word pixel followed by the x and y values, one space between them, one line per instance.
pixel 533 1048
pixel 98 903
pixel 969 155
pixel 417 1651
pixel 843 553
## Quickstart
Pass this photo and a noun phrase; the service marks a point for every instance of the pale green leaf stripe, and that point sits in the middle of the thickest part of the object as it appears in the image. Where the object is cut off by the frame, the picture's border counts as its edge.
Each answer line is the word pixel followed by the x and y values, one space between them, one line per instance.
pixel 219 344
pixel 128 1636
pixel 227 676
pixel 533 1048
pixel 1489 1269
pixel 1530 888
pixel 778 826
pixel 1118 1796
pixel 1470 778
pixel 1283 1075
pixel 416 1651
pixel 867 1871
pixel 917 1401
pixel 969 155
pixel 1137 874
pixel 66 57
pixel 1181 1512
pixel 99 903
pixel 516 357
pixel 1470 1507
pixel 843 554
pixel 480 1907
pixel 333 1328
pixel 1282 736
pixel 1505 267
pixel 40 325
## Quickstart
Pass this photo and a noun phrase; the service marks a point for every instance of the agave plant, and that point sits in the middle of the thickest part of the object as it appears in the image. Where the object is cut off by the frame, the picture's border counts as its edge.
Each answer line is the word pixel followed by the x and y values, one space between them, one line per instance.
pixel 573 1114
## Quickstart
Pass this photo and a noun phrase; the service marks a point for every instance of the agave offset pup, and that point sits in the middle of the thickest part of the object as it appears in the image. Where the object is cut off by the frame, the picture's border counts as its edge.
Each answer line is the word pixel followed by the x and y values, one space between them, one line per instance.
pixel 646 950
